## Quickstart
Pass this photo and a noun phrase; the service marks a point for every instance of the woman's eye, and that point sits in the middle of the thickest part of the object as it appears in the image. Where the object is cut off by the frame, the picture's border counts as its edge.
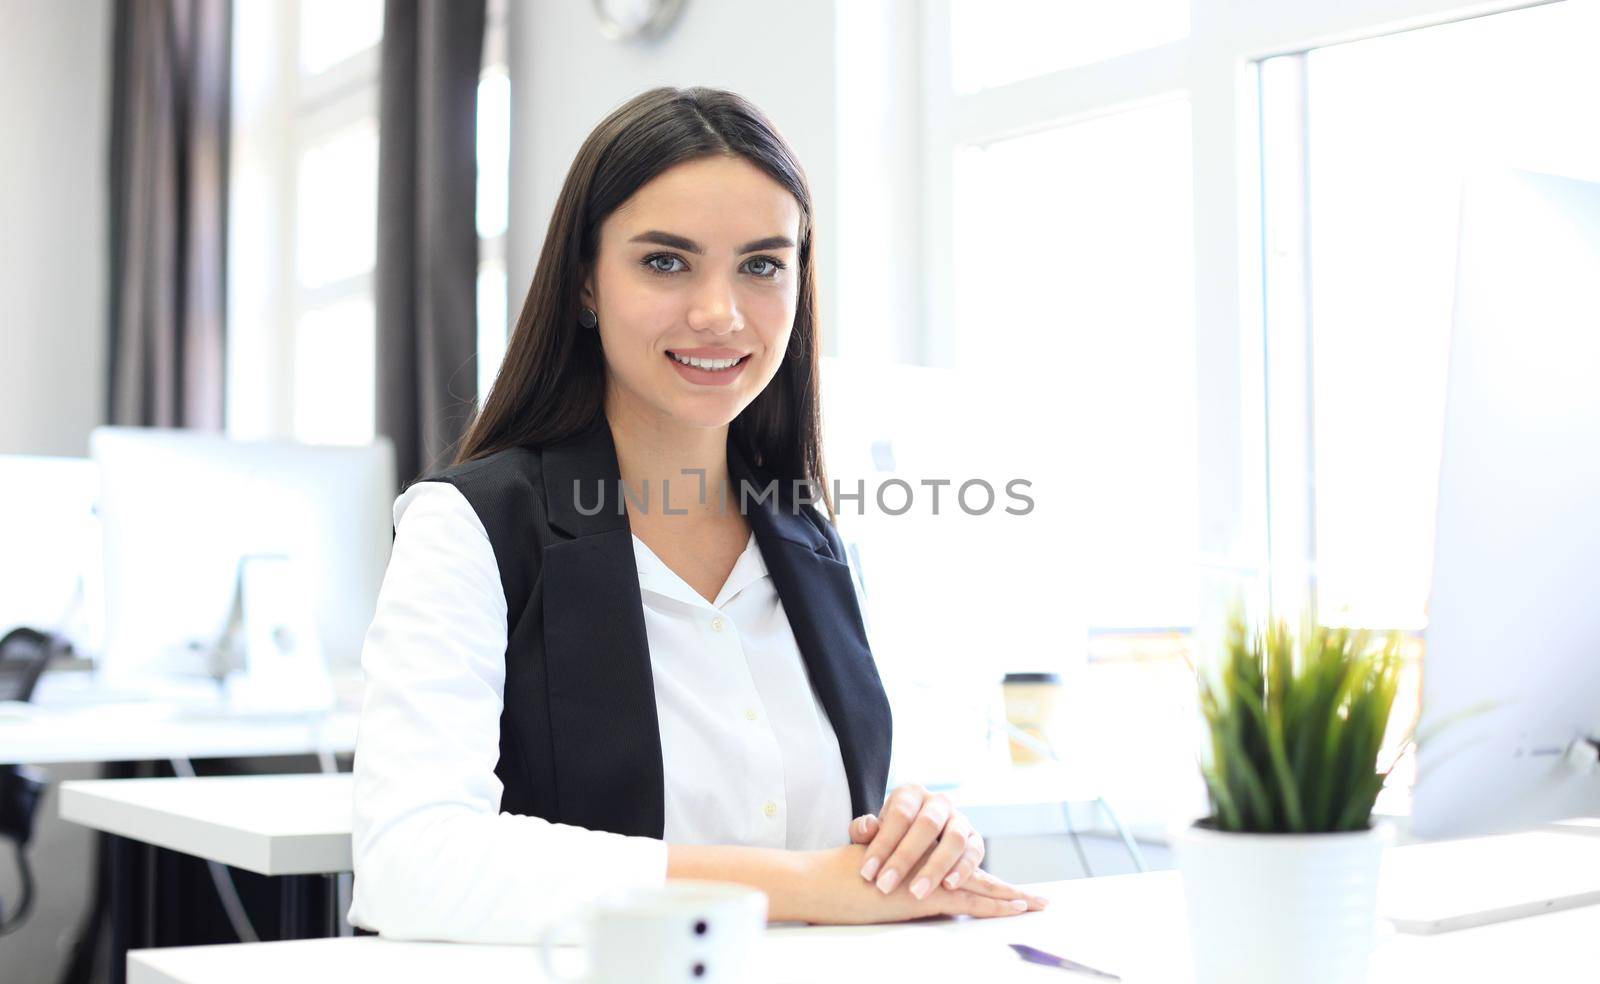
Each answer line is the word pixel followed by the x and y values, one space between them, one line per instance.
pixel 653 262
pixel 770 265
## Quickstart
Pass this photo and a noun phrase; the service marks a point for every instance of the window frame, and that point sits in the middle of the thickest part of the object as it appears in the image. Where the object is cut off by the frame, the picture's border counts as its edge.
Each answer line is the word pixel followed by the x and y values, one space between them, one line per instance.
pixel 276 119
pixel 287 113
pixel 1256 517
pixel 1290 439
pixel 492 250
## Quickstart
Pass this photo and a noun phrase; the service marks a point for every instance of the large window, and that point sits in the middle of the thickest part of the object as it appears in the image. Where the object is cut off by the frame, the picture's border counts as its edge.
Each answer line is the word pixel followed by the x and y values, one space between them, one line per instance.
pixel 1061 288
pixel 1200 255
pixel 304 222
pixel 1366 155
pixel 1364 158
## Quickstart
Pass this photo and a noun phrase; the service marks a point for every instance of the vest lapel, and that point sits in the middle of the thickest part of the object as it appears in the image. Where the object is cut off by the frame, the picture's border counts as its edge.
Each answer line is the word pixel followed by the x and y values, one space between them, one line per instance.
pixel 605 736
pixel 820 601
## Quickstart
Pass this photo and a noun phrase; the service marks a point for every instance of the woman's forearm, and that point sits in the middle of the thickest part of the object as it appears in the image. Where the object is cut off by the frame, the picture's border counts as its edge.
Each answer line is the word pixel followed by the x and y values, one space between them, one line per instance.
pixel 781 874
pixel 826 886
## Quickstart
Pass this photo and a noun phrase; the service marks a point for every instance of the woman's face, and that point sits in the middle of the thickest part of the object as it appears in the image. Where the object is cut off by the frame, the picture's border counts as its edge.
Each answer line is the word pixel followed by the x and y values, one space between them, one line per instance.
pixel 699 266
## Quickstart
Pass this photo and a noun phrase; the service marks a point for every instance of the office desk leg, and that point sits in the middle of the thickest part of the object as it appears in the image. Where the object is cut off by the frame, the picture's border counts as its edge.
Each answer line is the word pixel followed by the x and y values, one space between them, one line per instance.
pixel 289 908
pixel 331 893
pixel 123 895
pixel 145 917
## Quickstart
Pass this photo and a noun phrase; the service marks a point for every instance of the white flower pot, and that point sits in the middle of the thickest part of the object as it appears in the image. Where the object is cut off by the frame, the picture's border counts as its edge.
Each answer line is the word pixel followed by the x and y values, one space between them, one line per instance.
pixel 1281 908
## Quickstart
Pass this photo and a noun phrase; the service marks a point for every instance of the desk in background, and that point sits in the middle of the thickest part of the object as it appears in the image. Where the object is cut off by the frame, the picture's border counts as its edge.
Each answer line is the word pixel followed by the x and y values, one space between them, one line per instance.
pixel 76 719
pixel 138 733
pixel 272 825
pixel 81 722
pixel 295 829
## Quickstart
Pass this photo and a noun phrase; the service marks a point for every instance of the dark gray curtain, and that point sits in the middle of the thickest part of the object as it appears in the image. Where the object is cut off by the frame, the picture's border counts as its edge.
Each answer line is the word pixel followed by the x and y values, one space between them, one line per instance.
pixel 427 234
pixel 168 212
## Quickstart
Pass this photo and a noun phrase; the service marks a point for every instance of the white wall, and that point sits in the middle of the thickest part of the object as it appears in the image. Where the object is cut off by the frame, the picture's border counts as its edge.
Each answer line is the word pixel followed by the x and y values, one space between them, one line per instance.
pixel 566 77
pixel 54 62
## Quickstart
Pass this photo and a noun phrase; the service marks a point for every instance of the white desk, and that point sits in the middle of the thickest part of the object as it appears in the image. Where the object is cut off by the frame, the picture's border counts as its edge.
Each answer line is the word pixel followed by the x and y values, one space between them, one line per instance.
pixel 287 827
pixel 272 825
pixel 128 732
pixel 295 825
pixel 280 826
pixel 1132 925
pixel 80 717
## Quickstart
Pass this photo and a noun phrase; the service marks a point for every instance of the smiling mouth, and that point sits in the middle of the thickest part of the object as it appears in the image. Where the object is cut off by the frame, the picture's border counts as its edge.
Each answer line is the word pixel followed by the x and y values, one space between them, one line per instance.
pixel 709 365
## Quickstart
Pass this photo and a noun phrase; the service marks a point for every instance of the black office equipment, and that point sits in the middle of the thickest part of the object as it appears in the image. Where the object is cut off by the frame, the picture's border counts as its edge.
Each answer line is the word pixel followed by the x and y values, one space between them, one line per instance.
pixel 24 653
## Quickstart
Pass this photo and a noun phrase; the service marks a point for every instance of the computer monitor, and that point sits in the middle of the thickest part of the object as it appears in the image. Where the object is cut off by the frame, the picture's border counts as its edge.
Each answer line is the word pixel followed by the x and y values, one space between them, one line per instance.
pixel 1511 687
pixel 181 509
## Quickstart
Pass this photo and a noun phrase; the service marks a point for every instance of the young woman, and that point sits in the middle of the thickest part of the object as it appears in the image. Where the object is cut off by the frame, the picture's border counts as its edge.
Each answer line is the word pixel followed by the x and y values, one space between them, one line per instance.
pixel 576 685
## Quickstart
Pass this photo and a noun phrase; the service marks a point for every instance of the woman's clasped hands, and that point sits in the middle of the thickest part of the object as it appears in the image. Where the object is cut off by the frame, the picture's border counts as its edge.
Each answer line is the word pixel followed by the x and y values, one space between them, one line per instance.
pixel 919 857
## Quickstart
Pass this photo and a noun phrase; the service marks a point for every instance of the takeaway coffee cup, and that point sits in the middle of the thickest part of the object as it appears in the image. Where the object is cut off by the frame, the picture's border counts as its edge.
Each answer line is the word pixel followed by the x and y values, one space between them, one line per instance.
pixel 1031 708
pixel 682 932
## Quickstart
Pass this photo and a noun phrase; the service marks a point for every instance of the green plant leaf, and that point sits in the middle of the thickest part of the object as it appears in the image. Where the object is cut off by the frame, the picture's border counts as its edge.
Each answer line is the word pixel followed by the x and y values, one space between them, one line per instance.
pixel 1272 736
pixel 1296 724
pixel 1244 778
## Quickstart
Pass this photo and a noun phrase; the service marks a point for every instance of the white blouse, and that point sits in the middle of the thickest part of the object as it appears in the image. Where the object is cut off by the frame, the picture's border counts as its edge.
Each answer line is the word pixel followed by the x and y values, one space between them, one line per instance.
pixel 749 754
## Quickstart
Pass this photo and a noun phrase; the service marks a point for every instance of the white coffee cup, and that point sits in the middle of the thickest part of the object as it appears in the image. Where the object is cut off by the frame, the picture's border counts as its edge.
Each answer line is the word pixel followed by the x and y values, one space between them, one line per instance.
pixel 682 932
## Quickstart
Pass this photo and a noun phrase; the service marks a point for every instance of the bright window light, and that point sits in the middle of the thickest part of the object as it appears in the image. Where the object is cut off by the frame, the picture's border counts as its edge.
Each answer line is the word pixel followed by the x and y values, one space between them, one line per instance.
pixel 1388 149
pixel 996 42
pixel 334 401
pixel 333 30
pixel 492 325
pixel 1074 284
pixel 336 223
pixel 494 152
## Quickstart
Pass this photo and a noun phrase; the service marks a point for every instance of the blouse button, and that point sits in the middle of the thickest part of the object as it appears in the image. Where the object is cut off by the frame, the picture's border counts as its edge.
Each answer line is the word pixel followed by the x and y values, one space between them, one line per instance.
pixel 750 714
pixel 771 809
pixel 716 625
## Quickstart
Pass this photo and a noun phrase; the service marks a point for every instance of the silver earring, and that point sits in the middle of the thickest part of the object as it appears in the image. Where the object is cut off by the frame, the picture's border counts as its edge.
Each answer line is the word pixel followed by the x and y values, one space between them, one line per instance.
pixel 587 318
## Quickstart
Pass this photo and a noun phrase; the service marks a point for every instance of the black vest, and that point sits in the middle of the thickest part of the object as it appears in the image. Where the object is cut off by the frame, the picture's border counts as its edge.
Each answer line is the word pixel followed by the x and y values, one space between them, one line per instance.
pixel 579 738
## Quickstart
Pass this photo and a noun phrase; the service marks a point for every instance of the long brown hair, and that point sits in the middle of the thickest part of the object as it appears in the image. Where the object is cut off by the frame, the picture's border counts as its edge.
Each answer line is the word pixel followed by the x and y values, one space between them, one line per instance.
pixel 552 382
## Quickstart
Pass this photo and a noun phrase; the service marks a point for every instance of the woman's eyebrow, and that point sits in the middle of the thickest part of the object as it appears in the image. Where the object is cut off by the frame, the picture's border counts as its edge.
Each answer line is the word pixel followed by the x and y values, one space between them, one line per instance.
pixel 689 245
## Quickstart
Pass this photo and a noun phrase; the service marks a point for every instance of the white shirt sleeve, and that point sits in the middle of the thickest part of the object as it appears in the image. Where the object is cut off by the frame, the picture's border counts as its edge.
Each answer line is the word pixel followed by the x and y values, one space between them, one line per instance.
pixel 434 856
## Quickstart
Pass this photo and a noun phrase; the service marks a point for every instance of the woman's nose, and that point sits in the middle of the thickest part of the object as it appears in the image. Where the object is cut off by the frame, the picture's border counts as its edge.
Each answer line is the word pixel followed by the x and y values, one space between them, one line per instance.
pixel 716 310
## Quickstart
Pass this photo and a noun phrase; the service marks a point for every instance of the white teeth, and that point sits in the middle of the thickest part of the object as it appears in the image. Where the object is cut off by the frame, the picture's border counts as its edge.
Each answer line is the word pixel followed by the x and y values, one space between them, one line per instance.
pixel 705 363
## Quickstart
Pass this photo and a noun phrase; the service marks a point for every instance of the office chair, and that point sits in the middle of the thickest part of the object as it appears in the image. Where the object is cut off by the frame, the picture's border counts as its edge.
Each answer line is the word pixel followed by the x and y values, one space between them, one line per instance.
pixel 24 654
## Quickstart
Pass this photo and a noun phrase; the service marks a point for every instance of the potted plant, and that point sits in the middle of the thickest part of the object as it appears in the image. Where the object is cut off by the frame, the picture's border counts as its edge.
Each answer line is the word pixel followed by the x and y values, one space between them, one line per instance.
pixel 1281 878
